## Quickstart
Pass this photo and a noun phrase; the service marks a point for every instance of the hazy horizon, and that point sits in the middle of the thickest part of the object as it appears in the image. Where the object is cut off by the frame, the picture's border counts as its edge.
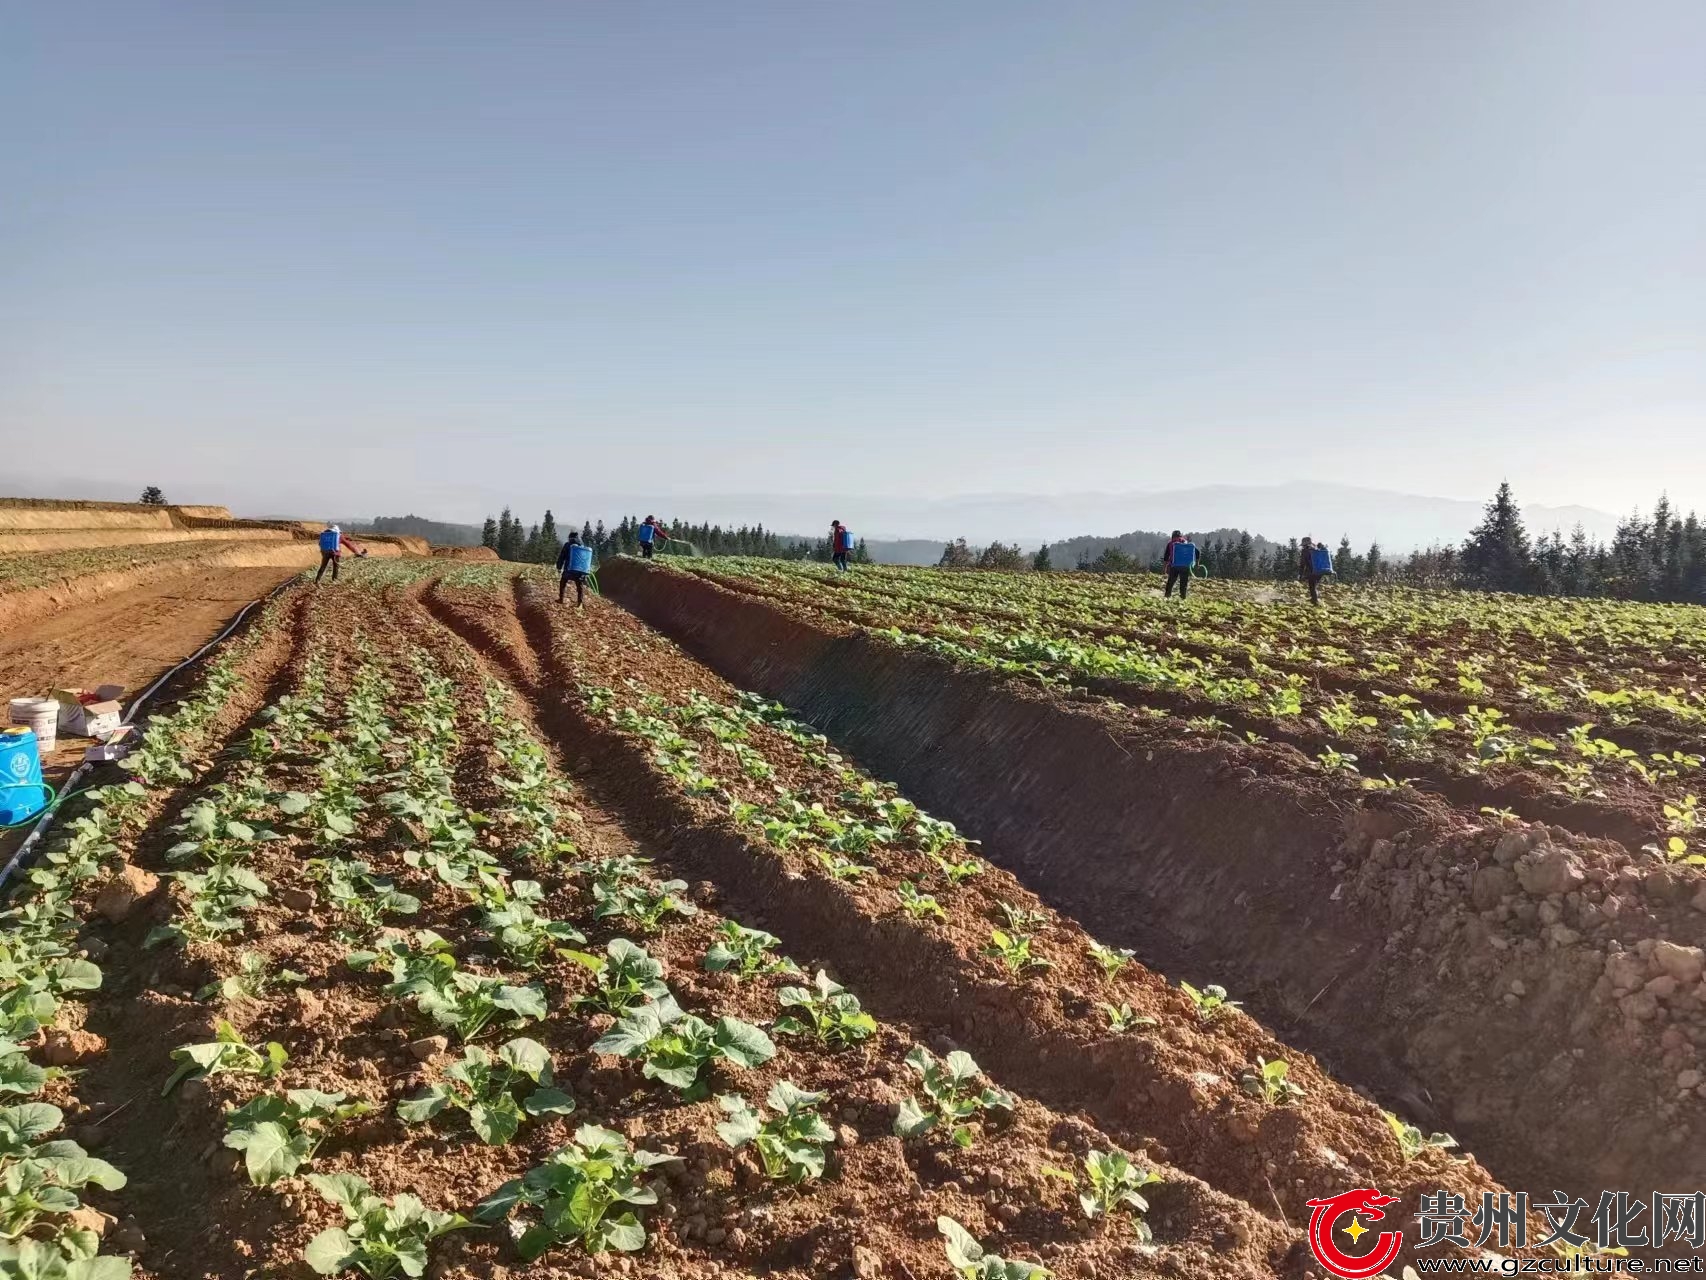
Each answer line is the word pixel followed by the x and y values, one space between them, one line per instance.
pixel 358 258
pixel 1399 521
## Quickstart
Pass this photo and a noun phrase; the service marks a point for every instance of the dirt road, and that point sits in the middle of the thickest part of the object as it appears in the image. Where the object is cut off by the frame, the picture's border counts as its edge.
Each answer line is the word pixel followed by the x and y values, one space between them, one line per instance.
pixel 126 639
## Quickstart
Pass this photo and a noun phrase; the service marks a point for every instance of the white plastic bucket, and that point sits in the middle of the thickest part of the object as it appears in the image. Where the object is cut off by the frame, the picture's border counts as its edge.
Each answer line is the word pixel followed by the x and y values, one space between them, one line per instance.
pixel 41 716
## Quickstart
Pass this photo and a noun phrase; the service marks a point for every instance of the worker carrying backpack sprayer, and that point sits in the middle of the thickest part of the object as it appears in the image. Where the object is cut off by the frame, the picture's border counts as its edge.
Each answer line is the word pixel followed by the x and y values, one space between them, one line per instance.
pixel 1316 562
pixel 840 544
pixel 574 562
pixel 332 542
pixel 1179 559
pixel 651 533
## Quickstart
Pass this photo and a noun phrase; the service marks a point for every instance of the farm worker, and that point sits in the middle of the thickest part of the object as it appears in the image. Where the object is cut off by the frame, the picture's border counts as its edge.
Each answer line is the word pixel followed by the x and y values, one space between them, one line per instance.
pixel 1179 559
pixel 574 562
pixel 332 542
pixel 1314 563
pixel 651 532
pixel 840 544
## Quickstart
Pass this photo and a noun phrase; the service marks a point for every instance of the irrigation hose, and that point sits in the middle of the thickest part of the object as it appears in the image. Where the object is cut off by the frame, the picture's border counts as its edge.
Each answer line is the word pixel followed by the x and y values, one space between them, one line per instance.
pixel 44 820
pixel 47 789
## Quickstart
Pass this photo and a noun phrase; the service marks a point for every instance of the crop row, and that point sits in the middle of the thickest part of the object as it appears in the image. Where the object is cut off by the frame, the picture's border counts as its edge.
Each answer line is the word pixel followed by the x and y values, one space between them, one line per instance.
pixel 524 971
pixel 1631 675
pixel 1573 634
pixel 1375 740
pixel 914 913
pixel 51 962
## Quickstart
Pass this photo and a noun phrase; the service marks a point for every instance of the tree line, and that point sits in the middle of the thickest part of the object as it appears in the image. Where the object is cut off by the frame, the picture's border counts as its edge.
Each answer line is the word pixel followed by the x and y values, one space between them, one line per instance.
pixel 540 542
pixel 1223 553
pixel 1661 557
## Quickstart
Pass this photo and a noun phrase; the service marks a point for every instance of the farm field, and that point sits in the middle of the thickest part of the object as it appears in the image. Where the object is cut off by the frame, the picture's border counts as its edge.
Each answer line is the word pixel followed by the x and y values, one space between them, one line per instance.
pixel 1447 842
pixel 586 960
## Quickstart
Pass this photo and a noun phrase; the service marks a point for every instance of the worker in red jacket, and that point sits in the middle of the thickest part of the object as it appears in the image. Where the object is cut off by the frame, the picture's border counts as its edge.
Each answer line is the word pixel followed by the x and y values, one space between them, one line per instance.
pixel 333 540
pixel 1179 559
pixel 651 533
pixel 840 544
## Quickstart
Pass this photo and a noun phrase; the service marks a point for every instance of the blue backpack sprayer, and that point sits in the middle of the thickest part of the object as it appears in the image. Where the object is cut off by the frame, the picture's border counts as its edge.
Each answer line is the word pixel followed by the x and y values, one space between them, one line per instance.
pixel 23 792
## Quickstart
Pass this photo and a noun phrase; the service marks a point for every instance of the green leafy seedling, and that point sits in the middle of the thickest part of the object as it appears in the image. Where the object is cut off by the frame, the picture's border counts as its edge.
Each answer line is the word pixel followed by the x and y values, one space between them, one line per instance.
pixel 792 1142
pixel 952 1096
pixel 957 870
pixel 581 1194
pixel 627 975
pixel 1115 1182
pixel 38 1180
pixel 486 1089
pixel 253 980
pixel 1269 1081
pixel 522 933
pixel 1210 1003
pixel 971 1261
pixel 645 903
pixel 378 1239
pixel 1110 959
pixel 225 1054
pixel 841 868
pixel 825 1010
pixel 1122 1018
pixel 677 1048
pixel 745 953
pixel 1411 1143
pixel 917 904
pixel 278 1135
pixel 1014 951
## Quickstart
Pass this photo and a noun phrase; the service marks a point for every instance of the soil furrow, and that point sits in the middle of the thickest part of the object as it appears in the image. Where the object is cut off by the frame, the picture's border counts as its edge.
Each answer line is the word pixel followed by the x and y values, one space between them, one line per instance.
pixel 1405 952
pixel 1635 820
pixel 888 1191
pixel 1141 1090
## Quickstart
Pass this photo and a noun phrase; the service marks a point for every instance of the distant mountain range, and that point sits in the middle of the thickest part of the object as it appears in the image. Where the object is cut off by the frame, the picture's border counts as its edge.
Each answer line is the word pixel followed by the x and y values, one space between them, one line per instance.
pixel 1399 521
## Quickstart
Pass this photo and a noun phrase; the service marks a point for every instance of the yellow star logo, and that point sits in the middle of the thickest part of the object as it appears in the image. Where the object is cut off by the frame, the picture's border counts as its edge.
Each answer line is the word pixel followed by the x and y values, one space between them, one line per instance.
pixel 1355 1231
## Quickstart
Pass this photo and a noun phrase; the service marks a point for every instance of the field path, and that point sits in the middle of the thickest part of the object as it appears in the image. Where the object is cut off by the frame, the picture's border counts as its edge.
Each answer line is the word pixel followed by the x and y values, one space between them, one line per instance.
pixel 130 638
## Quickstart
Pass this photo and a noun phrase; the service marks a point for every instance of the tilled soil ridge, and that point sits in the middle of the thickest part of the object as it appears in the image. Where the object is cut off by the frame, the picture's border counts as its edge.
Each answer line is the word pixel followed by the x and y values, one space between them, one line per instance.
pixel 1532 991
pixel 1170 1090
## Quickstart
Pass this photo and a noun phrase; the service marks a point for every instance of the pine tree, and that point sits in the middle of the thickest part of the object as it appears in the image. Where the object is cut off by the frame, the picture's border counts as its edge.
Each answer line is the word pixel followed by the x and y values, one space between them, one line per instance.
pixel 512 538
pixel 956 555
pixel 1578 561
pixel 1002 557
pixel 1372 564
pixel 1345 561
pixel 1498 556
pixel 1039 562
pixel 152 497
pixel 1246 555
pixel 489 534
pixel 549 543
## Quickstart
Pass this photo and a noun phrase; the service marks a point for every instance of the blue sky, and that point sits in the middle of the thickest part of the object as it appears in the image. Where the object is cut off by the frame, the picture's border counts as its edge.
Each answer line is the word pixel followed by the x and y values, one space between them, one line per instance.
pixel 393 255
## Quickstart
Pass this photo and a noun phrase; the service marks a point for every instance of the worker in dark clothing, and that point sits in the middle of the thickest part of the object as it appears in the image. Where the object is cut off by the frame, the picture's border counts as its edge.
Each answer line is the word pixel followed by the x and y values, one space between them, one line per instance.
pixel 1314 563
pixel 1179 559
pixel 840 544
pixel 574 562
pixel 333 540
pixel 651 533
